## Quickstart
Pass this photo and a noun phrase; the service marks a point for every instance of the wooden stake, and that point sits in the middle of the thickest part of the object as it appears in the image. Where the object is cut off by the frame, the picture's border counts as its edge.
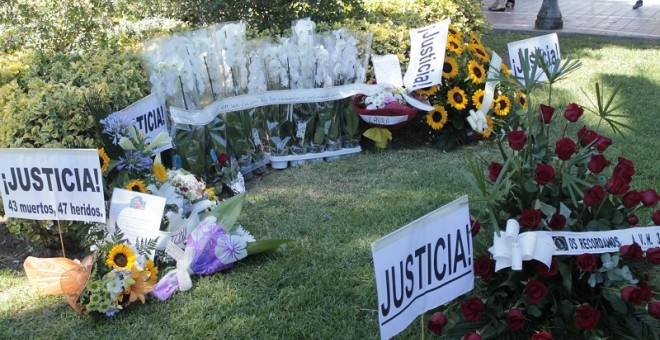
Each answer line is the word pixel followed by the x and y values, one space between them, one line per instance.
pixel 59 230
pixel 421 324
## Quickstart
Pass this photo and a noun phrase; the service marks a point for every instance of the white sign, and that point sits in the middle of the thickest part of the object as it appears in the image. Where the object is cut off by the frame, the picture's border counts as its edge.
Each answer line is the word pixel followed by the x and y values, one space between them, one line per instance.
pixel 136 214
pixel 549 46
pixel 427 55
pixel 52 184
pixel 387 69
pixel 149 116
pixel 422 265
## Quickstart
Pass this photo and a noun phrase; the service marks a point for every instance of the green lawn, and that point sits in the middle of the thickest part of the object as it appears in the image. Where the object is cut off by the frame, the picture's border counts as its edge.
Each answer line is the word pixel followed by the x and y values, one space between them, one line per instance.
pixel 322 285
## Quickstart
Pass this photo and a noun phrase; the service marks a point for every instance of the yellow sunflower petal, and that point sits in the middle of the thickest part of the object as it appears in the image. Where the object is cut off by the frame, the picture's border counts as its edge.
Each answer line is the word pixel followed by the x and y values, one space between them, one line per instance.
pixel 502 105
pixel 449 68
pixel 437 118
pixel 105 160
pixel 159 172
pixel 457 99
pixel 476 72
pixel 120 257
pixel 136 185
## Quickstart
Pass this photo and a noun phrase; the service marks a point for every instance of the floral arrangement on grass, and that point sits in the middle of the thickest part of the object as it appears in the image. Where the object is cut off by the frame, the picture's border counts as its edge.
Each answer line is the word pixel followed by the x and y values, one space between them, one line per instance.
pixel 464 74
pixel 558 186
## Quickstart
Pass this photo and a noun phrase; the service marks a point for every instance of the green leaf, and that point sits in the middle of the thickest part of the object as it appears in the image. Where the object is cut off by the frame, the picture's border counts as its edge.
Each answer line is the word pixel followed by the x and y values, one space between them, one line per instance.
pixel 546 209
pixel 566 276
pixel 616 301
pixel 534 311
pixel 265 245
pixel 227 212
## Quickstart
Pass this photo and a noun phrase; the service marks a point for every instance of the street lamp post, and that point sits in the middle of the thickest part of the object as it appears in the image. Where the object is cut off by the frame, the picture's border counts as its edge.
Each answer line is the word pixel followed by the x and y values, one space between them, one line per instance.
pixel 549 17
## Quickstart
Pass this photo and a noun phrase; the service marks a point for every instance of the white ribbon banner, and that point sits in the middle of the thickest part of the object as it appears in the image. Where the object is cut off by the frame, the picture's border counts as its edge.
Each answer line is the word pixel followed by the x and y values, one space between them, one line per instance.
pixel 384 120
pixel 477 120
pixel 511 248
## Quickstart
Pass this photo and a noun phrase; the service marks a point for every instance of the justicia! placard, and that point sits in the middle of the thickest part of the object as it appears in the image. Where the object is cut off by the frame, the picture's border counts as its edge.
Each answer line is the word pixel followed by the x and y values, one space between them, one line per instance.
pixel 52 184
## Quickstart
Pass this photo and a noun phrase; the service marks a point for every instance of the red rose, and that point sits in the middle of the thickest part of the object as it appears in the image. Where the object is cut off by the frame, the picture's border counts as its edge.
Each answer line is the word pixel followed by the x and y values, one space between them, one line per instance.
pixel 484 267
pixel 632 252
pixel 546 113
pixel 624 168
pixel 656 217
pixel 602 143
pixel 653 255
pixel 586 136
pixel 544 271
pixel 494 170
pixel 530 218
pixel 544 174
pixel 597 163
pixel 649 197
pixel 573 112
pixel 565 148
pixel 654 309
pixel 535 291
pixel 636 294
pixel 617 185
pixel 587 317
pixel 542 336
pixel 557 221
pixel 222 159
pixel 633 220
pixel 472 309
pixel 631 199
pixel 517 139
pixel 472 336
pixel 476 226
pixel 594 196
pixel 515 320
pixel 437 323
pixel 586 262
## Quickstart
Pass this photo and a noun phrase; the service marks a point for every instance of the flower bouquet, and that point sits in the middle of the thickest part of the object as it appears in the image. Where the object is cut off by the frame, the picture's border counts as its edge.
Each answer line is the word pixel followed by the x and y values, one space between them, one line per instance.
pixel 461 94
pixel 384 110
pixel 549 188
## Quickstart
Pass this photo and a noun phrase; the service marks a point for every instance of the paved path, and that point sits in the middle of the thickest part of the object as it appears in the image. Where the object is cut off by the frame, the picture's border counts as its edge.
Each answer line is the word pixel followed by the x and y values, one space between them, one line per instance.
pixel 613 18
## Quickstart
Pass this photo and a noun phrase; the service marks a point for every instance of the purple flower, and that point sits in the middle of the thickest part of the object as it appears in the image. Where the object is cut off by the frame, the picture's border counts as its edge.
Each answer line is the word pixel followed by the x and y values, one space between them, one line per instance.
pixel 116 126
pixel 134 161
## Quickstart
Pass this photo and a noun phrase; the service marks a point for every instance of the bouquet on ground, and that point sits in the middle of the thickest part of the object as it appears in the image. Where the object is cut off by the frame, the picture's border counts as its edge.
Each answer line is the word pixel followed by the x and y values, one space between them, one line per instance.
pixel 384 110
pixel 461 93
pixel 567 185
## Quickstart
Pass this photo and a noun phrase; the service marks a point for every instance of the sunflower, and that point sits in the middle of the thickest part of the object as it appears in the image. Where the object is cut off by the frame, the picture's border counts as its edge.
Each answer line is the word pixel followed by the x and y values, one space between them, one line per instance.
pixel 521 99
pixel 160 172
pixel 454 32
pixel 505 70
pixel 449 68
pixel 502 105
pixel 428 91
pixel 480 51
pixel 136 185
pixel 474 39
pixel 105 160
pixel 153 271
pixel 456 98
pixel 436 118
pixel 478 98
pixel 454 45
pixel 121 257
pixel 488 131
pixel 476 71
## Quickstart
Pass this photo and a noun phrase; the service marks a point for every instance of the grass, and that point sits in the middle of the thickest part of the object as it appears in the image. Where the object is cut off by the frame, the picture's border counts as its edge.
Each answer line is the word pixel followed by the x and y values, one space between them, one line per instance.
pixel 322 285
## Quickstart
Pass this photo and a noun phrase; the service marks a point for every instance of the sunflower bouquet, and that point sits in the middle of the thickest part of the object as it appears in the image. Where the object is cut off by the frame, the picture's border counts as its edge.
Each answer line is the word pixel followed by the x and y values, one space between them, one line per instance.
pixel 123 274
pixel 461 92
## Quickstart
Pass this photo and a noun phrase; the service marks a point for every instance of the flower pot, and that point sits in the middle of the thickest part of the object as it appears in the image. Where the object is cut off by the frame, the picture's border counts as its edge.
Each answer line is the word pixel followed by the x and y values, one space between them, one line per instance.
pixel 298 150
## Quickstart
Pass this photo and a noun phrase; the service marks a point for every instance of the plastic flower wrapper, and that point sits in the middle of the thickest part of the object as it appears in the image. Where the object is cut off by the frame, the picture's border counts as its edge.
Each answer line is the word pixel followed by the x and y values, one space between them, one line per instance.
pixel 216 244
pixel 279 126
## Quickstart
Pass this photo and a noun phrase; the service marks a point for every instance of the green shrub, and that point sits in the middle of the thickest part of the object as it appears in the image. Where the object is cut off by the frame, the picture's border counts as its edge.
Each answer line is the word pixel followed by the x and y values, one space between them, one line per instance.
pixel 42 104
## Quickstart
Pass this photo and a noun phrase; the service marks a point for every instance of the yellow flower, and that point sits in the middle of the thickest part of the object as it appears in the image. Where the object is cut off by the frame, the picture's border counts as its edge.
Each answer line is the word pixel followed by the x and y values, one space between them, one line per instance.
pixel 136 185
pixel 120 257
pixel 476 72
pixel 454 32
pixel 153 271
pixel 521 99
pixel 454 45
pixel 211 192
pixel 502 105
pixel 428 91
pixel 488 131
pixel 449 68
pixel 105 160
pixel 456 98
pixel 505 70
pixel 478 98
pixel 474 39
pixel 480 51
pixel 437 118
pixel 160 172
